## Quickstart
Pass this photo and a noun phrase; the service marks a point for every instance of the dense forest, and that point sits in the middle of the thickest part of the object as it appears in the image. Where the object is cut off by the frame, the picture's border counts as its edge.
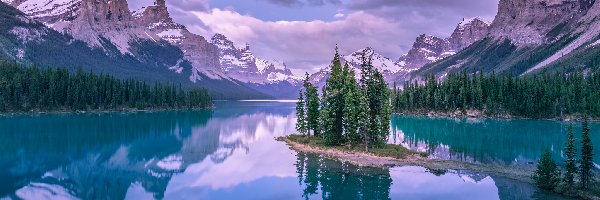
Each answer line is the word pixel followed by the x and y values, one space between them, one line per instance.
pixel 26 89
pixel 534 96
pixel 348 111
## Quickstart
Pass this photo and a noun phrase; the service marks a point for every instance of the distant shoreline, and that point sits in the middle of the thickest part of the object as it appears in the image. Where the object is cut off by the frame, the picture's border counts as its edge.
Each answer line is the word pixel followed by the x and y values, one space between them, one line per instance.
pixel 99 111
pixel 473 114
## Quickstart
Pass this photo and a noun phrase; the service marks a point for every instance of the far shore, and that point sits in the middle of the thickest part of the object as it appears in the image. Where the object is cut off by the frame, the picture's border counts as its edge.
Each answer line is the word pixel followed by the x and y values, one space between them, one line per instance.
pixel 100 111
pixel 475 114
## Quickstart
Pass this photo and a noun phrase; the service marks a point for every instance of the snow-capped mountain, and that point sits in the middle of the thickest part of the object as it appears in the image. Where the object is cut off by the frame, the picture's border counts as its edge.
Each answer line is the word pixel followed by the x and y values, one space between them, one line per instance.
pixel 389 68
pixel 242 65
pixel 150 35
pixel 203 56
pixel 527 36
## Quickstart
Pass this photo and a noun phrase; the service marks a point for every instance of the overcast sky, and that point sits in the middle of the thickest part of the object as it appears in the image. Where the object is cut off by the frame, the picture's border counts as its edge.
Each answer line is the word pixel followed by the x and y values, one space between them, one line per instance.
pixel 303 33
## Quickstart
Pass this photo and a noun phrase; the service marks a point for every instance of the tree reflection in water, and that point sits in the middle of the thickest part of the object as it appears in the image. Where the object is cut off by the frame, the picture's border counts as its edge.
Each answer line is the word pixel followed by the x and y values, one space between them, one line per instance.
pixel 341 180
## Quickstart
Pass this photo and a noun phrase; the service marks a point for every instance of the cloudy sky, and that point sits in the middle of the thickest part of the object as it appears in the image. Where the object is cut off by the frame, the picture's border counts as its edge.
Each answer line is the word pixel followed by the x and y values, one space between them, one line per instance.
pixel 303 33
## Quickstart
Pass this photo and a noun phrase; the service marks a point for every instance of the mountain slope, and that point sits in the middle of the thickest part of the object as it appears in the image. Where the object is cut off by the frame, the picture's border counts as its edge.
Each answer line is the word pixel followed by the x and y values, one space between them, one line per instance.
pixel 32 43
pixel 530 37
pixel 270 77
pixel 428 49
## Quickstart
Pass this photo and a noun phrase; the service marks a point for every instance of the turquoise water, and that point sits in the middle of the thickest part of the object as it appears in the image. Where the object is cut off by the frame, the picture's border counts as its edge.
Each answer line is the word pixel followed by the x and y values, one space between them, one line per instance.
pixel 230 153
pixel 517 143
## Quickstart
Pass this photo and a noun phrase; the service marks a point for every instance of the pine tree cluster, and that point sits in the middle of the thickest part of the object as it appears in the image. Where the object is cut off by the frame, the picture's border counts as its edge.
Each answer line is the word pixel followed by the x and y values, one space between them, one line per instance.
pixel 535 96
pixel 548 177
pixel 348 111
pixel 26 89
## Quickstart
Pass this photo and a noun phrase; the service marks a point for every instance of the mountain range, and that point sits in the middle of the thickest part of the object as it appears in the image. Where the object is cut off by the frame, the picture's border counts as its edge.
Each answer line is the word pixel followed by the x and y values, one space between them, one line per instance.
pixel 526 37
pixel 106 37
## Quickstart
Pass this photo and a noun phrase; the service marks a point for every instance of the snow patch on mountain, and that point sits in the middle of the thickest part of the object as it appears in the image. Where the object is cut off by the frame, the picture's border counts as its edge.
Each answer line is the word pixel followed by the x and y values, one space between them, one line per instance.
pixel 45 8
pixel 241 64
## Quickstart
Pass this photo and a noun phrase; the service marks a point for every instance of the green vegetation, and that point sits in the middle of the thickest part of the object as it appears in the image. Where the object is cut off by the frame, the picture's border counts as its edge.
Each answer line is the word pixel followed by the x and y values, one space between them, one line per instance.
pixel 570 159
pixel 386 150
pixel 547 175
pixel 536 96
pixel 27 89
pixel 586 164
pixel 348 112
pixel 148 60
pixel 301 126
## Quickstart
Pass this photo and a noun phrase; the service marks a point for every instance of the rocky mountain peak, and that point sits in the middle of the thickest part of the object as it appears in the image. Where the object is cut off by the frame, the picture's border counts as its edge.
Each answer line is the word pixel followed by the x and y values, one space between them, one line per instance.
pixel 468 32
pixel 526 22
pixel 110 11
pixel 430 43
pixel 222 42
pixel 428 48
pixel 155 13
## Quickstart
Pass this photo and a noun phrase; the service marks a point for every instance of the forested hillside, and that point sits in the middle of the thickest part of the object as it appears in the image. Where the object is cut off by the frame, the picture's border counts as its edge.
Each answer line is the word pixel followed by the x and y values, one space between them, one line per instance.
pixel 534 96
pixel 27 89
pixel 31 43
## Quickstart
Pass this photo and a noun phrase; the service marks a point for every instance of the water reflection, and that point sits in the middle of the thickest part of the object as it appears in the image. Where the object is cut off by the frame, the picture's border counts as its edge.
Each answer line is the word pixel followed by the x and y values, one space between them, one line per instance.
pixel 228 153
pixel 505 142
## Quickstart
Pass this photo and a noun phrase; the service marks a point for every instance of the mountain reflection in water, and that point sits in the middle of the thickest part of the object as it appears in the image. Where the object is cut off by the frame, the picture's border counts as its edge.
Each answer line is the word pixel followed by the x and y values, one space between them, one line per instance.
pixel 227 153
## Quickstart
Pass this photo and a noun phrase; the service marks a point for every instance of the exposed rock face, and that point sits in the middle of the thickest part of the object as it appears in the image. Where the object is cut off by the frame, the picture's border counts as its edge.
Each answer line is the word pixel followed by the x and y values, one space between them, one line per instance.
pixel 526 22
pixel 110 22
pixel 151 38
pixel 203 56
pixel 87 20
pixel 241 64
pixel 468 32
pixel 427 48
pixel 528 35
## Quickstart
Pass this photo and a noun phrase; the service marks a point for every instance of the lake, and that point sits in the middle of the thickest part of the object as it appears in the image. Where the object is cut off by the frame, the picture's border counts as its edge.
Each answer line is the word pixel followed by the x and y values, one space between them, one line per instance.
pixel 230 153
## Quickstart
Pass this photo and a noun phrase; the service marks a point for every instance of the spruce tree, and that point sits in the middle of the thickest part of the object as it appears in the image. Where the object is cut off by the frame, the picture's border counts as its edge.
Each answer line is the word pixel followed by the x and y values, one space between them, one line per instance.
pixel 586 164
pixel 300 114
pixel 570 154
pixel 364 122
pixel 351 107
pixel 312 107
pixel 546 174
pixel 332 103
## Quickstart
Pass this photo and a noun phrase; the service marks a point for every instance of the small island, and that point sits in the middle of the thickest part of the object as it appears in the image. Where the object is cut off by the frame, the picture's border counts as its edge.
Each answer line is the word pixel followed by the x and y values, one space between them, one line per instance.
pixel 350 122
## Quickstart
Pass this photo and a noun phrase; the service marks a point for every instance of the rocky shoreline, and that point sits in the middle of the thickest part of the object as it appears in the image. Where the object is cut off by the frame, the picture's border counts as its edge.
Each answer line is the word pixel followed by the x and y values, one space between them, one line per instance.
pixel 362 158
pixel 370 160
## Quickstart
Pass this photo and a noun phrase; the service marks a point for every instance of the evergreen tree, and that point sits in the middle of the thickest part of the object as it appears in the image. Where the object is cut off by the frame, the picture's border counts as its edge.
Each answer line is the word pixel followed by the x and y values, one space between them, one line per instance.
pixel 312 107
pixel 586 164
pixel 363 123
pixel 332 103
pixel 351 107
pixel 570 156
pixel 546 175
pixel 301 124
pixel 378 100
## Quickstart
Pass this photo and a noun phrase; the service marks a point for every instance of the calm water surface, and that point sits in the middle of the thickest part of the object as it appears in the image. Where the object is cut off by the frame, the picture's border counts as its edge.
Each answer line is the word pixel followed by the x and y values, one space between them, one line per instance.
pixel 230 153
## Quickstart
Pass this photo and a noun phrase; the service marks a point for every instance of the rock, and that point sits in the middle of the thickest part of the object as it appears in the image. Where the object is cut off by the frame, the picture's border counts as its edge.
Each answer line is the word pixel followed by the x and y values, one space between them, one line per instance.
pixel 428 49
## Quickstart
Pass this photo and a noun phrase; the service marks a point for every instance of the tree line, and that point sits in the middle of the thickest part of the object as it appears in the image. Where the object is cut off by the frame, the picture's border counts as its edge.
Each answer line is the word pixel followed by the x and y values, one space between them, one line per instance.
pixel 578 171
pixel 26 89
pixel 535 96
pixel 348 111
